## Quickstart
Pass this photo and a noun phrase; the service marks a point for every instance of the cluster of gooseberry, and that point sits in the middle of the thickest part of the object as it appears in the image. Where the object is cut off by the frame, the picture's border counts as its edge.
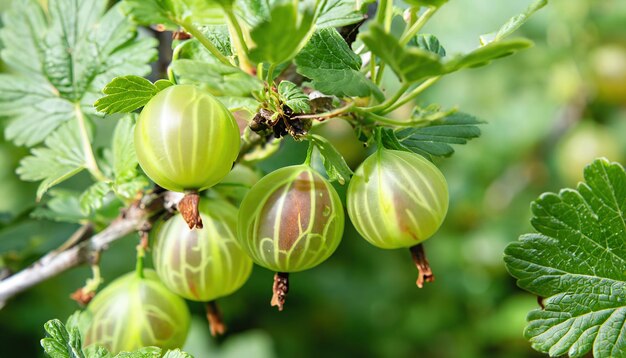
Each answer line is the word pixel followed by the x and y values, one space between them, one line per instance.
pixel 290 220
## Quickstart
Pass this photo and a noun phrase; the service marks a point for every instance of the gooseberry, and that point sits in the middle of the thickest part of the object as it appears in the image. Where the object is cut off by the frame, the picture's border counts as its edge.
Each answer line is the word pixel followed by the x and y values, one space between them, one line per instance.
pixel 397 199
pixel 202 264
pixel 291 220
pixel 186 141
pixel 134 312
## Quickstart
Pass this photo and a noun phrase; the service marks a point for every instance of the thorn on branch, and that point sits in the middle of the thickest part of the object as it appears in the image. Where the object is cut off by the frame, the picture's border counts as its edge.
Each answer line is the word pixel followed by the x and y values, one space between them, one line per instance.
pixel 421 262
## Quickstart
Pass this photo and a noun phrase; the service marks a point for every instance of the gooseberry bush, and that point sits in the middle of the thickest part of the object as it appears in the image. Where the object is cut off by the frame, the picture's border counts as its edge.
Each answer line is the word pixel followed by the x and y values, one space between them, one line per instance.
pixel 181 165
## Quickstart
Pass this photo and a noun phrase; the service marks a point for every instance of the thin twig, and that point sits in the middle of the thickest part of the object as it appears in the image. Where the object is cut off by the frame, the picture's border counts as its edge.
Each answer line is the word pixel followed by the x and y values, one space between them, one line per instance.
pixel 54 263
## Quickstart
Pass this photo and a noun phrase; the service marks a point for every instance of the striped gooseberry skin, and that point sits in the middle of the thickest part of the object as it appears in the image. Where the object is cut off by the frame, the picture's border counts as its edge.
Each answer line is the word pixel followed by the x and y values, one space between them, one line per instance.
pixel 201 264
pixel 397 199
pixel 186 139
pixel 291 220
pixel 134 312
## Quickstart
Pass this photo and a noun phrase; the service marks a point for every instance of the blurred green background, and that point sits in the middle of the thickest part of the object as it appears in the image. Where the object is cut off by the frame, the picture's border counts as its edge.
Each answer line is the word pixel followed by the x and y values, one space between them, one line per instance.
pixel 550 110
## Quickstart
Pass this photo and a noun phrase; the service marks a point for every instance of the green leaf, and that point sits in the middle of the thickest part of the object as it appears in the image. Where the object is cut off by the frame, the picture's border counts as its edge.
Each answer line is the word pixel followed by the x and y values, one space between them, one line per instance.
pixel 334 163
pixel 219 36
pixel 95 351
pixel 485 54
pixel 61 159
pixel 216 77
pixel 333 67
pixel 434 138
pixel 254 12
pixel 338 13
pixel 124 155
pixel 128 93
pixel 171 13
pixel 177 353
pixel 62 58
pixel 279 38
pixel 33 108
pixel 63 206
pixel 79 320
pixel 145 352
pixel 94 197
pixel 514 23
pixel 240 103
pixel 293 97
pixel 410 64
pixel 127 180
pixel 429 43
pixel 576 261
pixel 60 342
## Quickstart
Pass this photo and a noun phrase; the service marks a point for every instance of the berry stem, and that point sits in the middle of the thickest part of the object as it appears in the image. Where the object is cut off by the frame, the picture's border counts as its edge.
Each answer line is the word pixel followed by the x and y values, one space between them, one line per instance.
pixel 214 316
pixel 141 253
pixel 280 289
pixel 421 21
pixel 188 207
pixel 85 294
pixel 421 262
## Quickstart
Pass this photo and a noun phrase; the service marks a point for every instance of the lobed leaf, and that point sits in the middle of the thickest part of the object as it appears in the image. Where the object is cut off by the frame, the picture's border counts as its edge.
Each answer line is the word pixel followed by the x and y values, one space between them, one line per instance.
pixel 63 205
pixel 410 64
pixel 216 77
pixel 577 261
pixel 145 352
pixel 94 197
pixel 62 158
pixel 127 94
pixel 429 43
pixel 280 36
pixel 333 67
pixel 485 54
pixel 436 136
pixel 177 353
pixel 60 342
pixel 171 13
pixel 123 145
pixel 59 60
pixel 338 13
pixel 293 97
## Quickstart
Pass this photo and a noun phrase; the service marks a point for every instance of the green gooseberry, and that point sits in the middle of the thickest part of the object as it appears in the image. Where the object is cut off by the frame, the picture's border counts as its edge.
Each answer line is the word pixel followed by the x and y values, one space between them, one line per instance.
pixel 201 264
pixel 134 312
pixel 397 199
pixel 291 220
pixel 186 139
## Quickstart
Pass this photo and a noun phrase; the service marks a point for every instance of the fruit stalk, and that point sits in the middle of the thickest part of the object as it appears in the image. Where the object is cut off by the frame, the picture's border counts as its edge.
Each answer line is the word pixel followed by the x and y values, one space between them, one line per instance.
pixel 421 262
pixel 214 316
pixel 280 289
